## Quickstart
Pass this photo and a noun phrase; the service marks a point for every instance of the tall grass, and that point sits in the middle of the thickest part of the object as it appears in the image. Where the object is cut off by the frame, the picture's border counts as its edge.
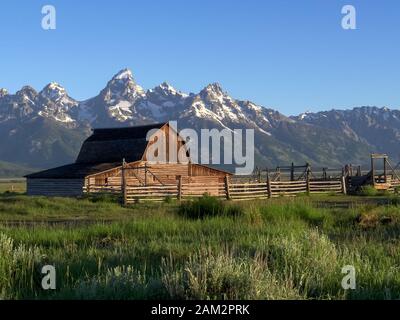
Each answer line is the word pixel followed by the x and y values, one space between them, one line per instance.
pixel 283 249
pixel 18 268
pixel 224 275
pixel 208 206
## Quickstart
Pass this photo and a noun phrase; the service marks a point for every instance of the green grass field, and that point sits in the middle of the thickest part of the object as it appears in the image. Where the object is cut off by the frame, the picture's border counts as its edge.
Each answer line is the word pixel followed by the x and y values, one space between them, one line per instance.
pixel 12 186
pixel 286 248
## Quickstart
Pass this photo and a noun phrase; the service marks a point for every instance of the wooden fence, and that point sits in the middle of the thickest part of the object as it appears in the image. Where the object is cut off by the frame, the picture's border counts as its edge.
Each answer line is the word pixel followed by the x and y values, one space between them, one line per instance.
pixel 225 190
pixel 395 184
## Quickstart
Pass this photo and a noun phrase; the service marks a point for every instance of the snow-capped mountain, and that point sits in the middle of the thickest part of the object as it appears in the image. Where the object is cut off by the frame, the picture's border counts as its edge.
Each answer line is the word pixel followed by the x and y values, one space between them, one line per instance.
pixel 161 102
pixel 39 129
pixel 17 106
pixel 54 102
pixel 123 102
pixel 49 126
pixel 114 103
pixel 378 127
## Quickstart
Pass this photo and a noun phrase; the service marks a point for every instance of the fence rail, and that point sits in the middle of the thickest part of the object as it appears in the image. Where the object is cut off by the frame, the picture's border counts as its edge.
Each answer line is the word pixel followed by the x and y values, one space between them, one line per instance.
pixel 102 189
pixel 134 194
pixel 224 190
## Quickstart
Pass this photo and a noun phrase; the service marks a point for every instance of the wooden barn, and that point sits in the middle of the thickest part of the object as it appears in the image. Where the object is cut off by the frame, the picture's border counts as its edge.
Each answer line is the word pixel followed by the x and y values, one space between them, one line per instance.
pixel 111 157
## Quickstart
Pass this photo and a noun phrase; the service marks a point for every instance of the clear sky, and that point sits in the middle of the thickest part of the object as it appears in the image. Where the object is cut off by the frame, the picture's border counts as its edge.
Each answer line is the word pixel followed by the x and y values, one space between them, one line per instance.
pixel 291 55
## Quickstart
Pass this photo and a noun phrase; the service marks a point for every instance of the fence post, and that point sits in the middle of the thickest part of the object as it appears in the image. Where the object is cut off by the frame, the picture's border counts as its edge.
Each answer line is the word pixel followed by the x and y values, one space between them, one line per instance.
pixel 145 174
pixel 180 188
pixel 343 181
pixel 227 191
pixel 292 172
pixel 324 174
pixel 269 186
pixel 124 191
pixel 308 180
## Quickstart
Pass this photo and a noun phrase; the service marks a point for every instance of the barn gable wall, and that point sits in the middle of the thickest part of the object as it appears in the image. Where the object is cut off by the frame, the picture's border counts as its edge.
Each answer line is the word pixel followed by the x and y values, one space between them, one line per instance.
pixel 173 142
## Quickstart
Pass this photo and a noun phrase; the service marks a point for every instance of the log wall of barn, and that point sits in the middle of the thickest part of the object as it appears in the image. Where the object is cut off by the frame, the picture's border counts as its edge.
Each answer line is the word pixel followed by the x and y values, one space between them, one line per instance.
pixel 199 170
pixel 156 174
pixel 55 187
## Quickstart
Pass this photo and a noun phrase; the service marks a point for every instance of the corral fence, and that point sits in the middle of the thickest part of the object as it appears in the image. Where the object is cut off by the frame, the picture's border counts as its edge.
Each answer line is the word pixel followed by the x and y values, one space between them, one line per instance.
pixel 228 190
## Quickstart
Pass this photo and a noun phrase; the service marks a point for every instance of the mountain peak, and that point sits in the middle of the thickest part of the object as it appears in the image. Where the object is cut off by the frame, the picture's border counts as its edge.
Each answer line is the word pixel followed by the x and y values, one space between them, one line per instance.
pixel 123 87
pixel 166 89
pixel 27 90
pixel 3 92
pixel 304 115
pixel 54 86
pixel 214 88
pixel 53 91
pixel 124 74
pixel 165 85
pixel 26 95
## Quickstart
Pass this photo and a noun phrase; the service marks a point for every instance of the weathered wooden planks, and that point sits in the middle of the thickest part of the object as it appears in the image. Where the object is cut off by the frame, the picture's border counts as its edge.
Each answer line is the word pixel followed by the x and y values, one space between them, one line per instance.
pixel 193 188
pixel 55 187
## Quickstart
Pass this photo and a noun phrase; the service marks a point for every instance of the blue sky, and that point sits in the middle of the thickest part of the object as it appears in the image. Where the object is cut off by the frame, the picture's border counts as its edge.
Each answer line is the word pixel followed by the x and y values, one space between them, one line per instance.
pixel 290 55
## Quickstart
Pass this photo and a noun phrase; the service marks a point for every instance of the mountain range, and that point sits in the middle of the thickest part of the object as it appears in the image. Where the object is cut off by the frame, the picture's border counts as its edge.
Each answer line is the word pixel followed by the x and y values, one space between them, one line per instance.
pixel 45 129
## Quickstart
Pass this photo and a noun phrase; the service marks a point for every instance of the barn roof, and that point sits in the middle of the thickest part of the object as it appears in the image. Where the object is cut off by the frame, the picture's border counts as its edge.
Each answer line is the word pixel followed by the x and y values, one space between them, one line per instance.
pixel 102 151
pixel 113 145
pixel 138 132
pixel 73 171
